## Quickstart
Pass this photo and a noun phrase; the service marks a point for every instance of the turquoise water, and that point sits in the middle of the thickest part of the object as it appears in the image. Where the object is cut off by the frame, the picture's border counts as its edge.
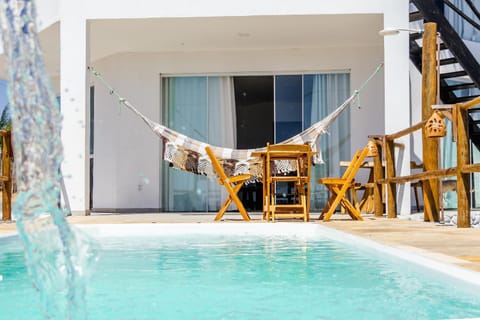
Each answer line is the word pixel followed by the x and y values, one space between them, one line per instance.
pixel 232 277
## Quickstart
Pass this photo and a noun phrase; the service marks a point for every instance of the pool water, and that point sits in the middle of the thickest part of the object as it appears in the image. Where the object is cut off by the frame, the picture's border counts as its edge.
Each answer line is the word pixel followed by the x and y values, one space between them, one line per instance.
pixel 200 276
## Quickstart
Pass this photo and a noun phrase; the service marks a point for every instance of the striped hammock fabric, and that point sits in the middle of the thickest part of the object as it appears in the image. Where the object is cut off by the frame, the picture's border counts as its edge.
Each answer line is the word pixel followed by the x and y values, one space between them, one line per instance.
pixel 188 154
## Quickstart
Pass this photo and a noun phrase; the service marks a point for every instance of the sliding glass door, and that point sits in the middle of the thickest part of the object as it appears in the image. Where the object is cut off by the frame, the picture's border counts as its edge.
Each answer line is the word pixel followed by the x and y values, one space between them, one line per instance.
pixel 248 112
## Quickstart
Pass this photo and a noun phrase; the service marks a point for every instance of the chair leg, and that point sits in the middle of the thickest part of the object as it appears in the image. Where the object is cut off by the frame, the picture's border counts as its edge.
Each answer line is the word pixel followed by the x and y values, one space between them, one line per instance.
pixel 232 191
pixel 415 191
pixel 352 211
pixel 223 208
pixel 329 213
pixel 305 208
pixel 327 207
pixel 329 202
pixel 355 198
pixel 233 195
pixel 266 209
pixel 339 197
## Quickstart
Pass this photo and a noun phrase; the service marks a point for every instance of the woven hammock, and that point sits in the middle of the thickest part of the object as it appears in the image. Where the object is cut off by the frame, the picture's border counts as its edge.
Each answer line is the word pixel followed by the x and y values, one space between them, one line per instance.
pixel 187 154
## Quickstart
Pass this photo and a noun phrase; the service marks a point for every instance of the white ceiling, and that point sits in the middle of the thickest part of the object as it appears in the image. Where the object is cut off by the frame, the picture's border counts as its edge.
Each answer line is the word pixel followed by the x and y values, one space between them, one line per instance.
pixel 108 37
pixel 233 33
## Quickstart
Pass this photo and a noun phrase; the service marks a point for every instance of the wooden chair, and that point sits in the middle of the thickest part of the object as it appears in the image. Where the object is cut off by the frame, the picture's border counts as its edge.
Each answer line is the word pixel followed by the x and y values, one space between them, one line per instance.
pixel 446 186
pixel 297 204
pixel 339 187
pixel 232 184
pixel 415 186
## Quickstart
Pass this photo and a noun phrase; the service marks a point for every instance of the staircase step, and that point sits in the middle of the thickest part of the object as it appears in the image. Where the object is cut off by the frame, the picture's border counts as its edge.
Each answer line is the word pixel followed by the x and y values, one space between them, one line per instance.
pixel 454 74
pixel 415 16
pixel 415 50
pixel 463 99
pixel 443 46
pixel 416 35
pixel 459 86
pixel 446 61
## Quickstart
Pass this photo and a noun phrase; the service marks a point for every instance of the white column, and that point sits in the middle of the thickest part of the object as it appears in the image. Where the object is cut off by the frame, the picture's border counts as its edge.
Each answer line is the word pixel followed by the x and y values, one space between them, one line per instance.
pixel 397 93
pixel 74 99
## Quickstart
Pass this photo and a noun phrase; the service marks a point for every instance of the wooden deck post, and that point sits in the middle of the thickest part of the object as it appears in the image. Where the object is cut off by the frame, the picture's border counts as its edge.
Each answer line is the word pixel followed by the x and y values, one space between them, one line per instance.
pixel 463 179
pixel 7 177
pixel 378 174
pixel 431 189
pixel 391 186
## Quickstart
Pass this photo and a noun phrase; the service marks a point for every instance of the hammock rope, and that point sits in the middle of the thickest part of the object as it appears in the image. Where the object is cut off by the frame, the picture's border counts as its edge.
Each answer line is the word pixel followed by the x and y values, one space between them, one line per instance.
pixel 185 153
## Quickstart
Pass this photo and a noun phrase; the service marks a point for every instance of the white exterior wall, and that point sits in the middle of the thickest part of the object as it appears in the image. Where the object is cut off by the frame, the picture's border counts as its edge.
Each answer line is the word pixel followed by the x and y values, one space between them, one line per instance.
pixel 361 60
pixel 74 99
pixel 122 163
pixel 397 97
pixel 48 12
pixel 127 152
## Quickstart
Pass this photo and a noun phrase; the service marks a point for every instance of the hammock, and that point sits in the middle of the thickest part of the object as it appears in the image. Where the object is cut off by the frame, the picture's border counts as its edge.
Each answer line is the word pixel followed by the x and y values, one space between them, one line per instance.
pixel 187 154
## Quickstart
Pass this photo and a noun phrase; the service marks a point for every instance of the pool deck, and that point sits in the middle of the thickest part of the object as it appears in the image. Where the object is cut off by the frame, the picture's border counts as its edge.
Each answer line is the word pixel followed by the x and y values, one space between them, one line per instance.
pixel 447 244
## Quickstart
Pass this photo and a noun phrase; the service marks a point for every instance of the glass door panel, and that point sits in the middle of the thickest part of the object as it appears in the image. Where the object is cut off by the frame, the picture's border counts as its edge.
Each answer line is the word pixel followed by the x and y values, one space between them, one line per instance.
pixel 254 110
pixel 255 116
pixel 288 106
pixel 185 110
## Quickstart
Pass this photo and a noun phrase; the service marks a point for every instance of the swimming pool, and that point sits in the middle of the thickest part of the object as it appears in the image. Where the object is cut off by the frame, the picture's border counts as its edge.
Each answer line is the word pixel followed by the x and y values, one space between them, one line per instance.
pixel 244 271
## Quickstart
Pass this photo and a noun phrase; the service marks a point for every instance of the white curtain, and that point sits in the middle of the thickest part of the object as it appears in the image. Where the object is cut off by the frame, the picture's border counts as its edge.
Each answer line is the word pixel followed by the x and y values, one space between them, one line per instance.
pixel 328 91
pixel 222 122
pixel 222 129
pixel 201 108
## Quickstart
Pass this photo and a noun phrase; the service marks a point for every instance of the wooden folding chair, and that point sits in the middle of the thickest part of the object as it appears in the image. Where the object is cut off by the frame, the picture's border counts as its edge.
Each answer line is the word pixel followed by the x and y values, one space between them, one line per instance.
pixel 338 188
pixel 232 184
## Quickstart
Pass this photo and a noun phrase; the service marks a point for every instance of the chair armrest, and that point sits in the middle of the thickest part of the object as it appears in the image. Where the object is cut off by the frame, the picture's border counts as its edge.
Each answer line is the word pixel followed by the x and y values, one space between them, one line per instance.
pixel 331 181
pixel 240 177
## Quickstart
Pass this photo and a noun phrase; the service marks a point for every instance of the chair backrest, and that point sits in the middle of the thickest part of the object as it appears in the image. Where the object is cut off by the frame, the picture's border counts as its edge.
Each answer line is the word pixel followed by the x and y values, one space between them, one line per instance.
pixel 295 152
pixel 289 147
pixel 351 164
pixel 355 164
pixel 216 165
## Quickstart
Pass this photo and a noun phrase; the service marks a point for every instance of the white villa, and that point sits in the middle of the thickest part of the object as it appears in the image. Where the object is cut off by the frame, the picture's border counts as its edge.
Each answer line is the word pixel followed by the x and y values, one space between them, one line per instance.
pixel 234 74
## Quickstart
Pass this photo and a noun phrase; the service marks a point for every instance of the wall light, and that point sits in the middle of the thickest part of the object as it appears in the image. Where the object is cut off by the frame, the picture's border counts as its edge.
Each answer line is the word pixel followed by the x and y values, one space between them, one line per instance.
pixel 393 31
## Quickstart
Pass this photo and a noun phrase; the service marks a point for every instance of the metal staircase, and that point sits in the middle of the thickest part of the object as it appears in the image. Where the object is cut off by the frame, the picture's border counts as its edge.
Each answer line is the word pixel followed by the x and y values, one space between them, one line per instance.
pixel 459 69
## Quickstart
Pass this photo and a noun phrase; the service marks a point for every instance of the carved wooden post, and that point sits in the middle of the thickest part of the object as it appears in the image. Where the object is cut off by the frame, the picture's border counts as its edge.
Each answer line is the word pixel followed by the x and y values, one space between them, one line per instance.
pixel 463 179
pixel 390 169
pixel 7 178
pixel 431 189
pixel 378 174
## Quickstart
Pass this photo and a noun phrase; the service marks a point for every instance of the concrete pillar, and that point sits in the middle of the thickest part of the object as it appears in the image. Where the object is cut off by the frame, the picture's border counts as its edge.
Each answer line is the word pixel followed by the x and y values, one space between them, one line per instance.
pixel 74 57
pixel 397 93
